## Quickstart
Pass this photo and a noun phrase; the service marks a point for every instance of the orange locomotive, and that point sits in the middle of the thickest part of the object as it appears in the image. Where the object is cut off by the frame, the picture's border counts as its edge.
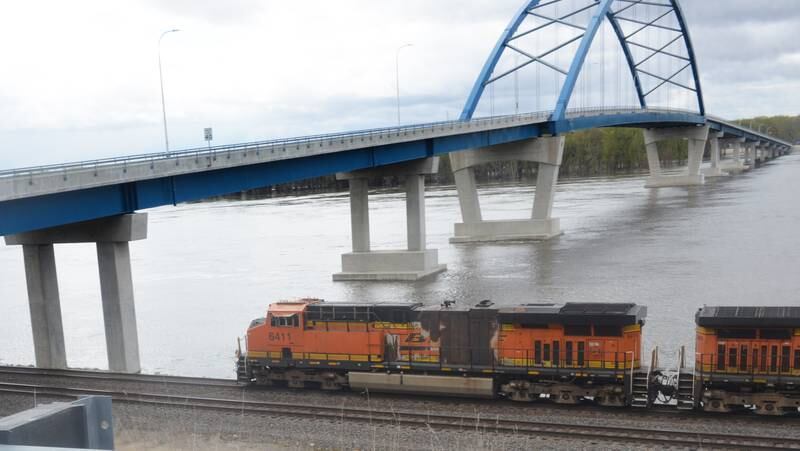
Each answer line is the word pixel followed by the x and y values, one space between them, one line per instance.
pixel 565 352
pixel 748 357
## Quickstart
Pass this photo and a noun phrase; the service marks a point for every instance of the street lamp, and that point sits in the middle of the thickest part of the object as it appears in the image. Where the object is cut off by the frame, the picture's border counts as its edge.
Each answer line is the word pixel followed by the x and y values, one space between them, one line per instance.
pixel 397 77
pixel 161 79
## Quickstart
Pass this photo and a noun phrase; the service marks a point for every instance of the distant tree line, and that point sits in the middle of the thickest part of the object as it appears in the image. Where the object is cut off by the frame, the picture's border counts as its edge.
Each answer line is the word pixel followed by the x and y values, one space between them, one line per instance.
pixel 607 151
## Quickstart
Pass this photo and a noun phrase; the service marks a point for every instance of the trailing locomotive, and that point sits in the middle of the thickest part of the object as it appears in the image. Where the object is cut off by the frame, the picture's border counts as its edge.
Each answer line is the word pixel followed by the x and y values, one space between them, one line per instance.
pixel 566 352
pixel 748 357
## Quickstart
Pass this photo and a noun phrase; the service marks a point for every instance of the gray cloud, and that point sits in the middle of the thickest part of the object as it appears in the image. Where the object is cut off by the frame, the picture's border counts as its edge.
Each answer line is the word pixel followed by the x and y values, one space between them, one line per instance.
pixel 229 12
pixel 339 57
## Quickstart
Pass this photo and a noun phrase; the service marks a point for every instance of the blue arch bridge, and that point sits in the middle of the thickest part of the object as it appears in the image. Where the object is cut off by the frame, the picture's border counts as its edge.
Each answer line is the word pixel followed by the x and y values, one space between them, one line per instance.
pixel 551 47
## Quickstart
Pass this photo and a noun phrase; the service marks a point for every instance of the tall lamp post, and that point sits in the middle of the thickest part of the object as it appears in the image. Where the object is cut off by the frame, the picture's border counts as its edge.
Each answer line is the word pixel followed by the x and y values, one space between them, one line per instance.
pixel 161 79
pixel 397 77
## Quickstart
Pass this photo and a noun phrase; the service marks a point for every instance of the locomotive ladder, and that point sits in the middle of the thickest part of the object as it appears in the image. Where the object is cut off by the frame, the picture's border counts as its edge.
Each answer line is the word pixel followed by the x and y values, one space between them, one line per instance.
pixel 686 385
pixel 640 391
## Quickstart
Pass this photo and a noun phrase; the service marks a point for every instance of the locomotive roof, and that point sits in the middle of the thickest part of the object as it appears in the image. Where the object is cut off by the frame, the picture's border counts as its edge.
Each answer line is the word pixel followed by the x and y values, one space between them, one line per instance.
pixel 717 316
pixel 572 313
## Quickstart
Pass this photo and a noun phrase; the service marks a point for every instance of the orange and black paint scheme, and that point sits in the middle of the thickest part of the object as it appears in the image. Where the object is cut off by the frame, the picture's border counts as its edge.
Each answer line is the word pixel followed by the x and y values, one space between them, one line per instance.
pixel 748 357
pixel 566 352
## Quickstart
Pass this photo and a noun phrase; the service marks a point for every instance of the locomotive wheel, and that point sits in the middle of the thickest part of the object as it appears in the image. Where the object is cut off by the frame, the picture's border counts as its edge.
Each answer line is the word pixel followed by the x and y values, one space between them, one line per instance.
pixel 716 405
pixel 565 398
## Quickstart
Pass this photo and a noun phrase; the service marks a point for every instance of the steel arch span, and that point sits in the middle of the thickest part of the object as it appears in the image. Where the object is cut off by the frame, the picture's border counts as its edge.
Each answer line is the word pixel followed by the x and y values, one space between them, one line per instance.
pixel 617 13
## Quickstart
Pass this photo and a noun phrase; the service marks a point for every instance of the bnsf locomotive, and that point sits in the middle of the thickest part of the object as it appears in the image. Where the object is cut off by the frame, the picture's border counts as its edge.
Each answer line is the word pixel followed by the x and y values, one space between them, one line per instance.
pixel 746 357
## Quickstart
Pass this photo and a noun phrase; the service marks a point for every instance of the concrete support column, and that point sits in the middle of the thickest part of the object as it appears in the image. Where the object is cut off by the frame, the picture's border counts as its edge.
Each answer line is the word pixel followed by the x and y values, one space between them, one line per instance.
pixel 468 195
pixel 45 306
pixel 546 179
pixel 111 236
pixel 758 152
pixel 696 137
pixel 359 214
pixel 715 170
pixel 653 160
pixel 415 212
pixel 734 164
pixel 696 149
pixel 737 150
pixel 413 263
pixel 547 152
pixel 714 152
pixel 119 313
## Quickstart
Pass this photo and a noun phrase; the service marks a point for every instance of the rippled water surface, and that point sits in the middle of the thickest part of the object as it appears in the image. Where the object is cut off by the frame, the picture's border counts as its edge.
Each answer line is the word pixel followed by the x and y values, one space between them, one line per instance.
pixel 207 269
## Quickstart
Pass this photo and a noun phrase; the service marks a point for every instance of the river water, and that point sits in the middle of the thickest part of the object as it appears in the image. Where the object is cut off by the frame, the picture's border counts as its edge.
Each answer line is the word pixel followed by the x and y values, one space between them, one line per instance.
pixel 207 269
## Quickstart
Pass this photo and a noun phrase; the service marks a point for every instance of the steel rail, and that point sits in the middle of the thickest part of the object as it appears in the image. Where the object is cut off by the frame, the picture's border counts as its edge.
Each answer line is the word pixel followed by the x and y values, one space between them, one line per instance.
pixel 669 437
pixel 92 376
pixel 120 377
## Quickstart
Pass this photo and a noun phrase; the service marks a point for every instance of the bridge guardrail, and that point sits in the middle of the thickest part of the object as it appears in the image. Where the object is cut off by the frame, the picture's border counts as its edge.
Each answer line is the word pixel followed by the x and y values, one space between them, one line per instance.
pixel 376 132
pixel 204 151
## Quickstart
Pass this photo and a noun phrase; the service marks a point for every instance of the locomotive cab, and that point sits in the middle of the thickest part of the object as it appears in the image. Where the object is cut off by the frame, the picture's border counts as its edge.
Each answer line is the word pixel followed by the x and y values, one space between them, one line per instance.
pixel 748 358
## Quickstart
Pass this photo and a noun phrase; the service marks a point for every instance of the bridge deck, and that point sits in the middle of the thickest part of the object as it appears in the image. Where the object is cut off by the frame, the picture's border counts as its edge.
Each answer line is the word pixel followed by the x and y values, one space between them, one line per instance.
pixel 45 196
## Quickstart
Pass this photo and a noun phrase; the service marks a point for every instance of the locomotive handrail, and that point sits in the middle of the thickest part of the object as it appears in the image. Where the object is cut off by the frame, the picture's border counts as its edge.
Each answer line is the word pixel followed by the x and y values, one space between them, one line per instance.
pixel 779 367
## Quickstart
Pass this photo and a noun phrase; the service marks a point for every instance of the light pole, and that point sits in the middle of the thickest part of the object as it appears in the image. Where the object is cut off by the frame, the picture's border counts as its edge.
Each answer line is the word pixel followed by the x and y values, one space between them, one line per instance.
pixel 397 77
pixel 161 79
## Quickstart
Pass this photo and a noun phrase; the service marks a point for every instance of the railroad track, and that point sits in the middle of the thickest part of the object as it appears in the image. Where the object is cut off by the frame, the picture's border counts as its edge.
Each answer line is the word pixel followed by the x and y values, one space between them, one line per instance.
pixel 121 377
pixel 647 436
pixel 91 376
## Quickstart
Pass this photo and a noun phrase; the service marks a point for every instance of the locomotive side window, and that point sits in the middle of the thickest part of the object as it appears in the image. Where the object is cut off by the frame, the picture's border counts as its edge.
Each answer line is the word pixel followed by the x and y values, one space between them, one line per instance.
pixel 732 357
pixel 284 321
pixel 537 352
pixel 547 352
pixel 743 358
pixel 581 353
pixel 785 356
pixel 721 357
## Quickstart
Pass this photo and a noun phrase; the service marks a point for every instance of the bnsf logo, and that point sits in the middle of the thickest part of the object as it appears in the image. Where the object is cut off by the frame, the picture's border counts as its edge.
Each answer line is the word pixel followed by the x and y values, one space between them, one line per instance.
pixel 415 338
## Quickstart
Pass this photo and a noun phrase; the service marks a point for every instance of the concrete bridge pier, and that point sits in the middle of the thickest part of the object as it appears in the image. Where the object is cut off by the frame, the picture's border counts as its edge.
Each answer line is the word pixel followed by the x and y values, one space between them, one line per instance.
pixel 111 236
pixel 417 261
pixel 733 165
pixel 750 154
pixel 760 153
pixel 696 136
pixel 715 170
pixel 547 152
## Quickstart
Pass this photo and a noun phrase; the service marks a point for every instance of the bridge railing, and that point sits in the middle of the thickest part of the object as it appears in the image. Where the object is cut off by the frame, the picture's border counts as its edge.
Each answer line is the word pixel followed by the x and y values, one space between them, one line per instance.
pixel 282 142
pixel 527 118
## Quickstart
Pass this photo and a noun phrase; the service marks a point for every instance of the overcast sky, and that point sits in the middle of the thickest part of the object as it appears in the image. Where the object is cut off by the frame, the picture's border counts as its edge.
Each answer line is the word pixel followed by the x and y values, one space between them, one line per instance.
pixel 80 78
